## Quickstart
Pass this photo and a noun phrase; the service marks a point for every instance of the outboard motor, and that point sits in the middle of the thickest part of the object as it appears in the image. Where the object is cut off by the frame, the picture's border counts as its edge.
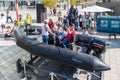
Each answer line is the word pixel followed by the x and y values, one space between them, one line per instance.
pixel 92 43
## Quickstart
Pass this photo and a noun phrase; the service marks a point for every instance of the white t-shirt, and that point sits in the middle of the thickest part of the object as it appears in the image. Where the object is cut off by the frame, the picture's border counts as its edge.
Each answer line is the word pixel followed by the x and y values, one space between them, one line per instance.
pixel 65 33
pixel 61 30
pixel 44 31
pixel 3 20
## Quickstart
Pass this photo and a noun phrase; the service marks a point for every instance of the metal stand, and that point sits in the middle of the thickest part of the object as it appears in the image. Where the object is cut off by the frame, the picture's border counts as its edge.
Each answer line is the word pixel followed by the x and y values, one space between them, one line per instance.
pixel 88 76
pixel 53 75
pixel 30 64
pixel 79 72
pixel 24 65
pixel 31 57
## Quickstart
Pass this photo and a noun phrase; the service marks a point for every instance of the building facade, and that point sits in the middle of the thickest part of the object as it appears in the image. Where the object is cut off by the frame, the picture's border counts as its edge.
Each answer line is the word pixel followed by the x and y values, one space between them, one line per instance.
pixel 6 4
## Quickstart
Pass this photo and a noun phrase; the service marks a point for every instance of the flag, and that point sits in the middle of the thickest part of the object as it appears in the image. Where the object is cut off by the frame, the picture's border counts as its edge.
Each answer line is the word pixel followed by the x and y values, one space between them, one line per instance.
pixel 17 10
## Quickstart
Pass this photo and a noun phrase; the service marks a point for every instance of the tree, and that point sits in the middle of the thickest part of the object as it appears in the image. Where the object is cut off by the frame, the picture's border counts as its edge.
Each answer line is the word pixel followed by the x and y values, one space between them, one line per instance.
pixel 106 0
pixel 49 3
pixel 81 1
pixel 73 2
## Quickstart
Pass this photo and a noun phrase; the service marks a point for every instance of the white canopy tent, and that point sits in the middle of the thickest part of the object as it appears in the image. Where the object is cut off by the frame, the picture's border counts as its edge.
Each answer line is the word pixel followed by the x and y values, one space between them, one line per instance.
pixel 95 8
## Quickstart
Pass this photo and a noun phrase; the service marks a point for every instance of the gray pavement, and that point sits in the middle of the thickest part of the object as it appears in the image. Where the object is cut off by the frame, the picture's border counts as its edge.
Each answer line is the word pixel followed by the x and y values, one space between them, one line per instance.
pixel 10 52
pixel 112 57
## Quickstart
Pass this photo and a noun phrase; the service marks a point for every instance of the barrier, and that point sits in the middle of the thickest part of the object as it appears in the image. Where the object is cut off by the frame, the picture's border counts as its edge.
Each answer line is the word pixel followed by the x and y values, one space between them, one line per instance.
pixel 110 24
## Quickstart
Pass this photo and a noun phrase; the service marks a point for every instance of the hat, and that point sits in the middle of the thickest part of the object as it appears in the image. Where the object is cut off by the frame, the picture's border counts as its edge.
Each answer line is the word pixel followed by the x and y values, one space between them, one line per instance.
pixel 45 21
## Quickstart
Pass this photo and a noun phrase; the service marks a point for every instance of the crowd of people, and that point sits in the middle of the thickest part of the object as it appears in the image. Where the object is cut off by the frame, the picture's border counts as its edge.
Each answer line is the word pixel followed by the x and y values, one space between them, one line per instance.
pixel 5 18
pixel 7 29
pixel 65 27
pixel 60 32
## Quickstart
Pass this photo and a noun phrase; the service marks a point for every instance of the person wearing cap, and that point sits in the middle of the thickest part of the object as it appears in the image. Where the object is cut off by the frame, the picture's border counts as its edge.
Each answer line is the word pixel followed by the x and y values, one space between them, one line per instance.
pixel 45 32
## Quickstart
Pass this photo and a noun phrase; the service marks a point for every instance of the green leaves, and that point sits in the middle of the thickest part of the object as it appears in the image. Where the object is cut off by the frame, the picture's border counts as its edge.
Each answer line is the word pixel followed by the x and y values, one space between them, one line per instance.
pixel 49 3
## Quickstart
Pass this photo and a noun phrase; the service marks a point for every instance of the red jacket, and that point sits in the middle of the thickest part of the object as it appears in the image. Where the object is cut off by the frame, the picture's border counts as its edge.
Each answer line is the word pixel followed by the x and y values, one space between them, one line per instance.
pixel 70 34
pixel 51 25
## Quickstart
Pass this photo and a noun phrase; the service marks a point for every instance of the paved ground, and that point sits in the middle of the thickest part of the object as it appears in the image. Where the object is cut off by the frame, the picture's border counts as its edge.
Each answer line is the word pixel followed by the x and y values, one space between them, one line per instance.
pixel 9 53
pixel 112 57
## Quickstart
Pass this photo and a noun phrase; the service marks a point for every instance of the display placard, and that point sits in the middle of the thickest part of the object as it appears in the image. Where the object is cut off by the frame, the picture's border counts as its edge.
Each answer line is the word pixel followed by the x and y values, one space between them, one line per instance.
pixel 104 23
pixel 115 24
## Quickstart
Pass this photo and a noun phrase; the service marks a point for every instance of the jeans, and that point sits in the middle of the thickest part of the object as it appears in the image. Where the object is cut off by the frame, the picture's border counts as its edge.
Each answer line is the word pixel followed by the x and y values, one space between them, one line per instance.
pixel 64 43
pixel 27 26
pixel 58 34
pixel 45 38
pixel 10 19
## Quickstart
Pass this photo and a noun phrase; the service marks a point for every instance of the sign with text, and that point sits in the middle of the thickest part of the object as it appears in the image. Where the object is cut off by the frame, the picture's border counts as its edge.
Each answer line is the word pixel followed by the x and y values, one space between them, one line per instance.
pixel 109 24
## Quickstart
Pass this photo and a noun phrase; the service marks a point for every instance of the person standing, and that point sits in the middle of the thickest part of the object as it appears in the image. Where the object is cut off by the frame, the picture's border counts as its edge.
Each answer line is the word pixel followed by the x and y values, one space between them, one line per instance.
pixel 54 11
pixel 20 22
pixel 9 16
pixel 28 21
pixel 45 32
pixel 3 21
pixel 76 23
pixel 87 21
pixel 59 13
pixel 66 21
pixel 71 15
pixel 76 12
pixel 92 26
pixel 81 19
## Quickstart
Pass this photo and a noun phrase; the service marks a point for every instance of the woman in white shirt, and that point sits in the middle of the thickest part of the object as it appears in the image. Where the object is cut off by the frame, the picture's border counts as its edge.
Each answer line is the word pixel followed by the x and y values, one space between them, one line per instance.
pixel 45 32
